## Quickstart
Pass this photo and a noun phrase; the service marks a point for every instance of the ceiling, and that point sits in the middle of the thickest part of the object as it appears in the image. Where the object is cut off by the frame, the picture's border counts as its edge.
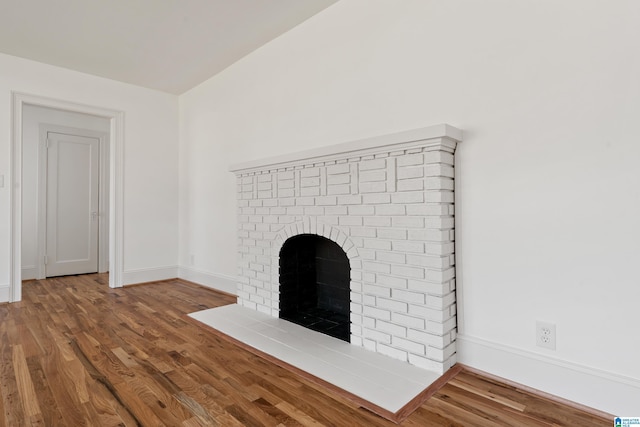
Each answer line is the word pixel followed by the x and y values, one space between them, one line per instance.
pixel 168 45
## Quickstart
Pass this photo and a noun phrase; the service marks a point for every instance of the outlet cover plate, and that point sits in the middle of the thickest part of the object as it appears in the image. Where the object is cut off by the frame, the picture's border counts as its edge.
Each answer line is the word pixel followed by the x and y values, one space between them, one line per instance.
pixel 546 335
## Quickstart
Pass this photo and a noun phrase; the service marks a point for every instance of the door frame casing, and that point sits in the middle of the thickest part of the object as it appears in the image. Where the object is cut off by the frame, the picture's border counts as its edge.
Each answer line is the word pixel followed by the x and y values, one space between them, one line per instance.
pixel 116 185
pixel 103 192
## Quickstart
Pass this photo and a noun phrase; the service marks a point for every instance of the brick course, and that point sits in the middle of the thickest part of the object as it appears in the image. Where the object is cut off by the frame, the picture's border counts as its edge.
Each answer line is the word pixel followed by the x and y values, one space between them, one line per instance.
pixel 392 213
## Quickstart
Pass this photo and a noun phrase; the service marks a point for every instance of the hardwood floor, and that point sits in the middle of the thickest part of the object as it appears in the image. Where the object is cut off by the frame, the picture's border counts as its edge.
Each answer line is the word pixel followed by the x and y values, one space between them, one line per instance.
pixel 75 352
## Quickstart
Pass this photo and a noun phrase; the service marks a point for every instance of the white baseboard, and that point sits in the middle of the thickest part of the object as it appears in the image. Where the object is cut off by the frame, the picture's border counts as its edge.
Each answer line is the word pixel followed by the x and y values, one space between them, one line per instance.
pixel 4 293
pixel 215 281
pixel 601 390
pixel 29 272
pixel 143 275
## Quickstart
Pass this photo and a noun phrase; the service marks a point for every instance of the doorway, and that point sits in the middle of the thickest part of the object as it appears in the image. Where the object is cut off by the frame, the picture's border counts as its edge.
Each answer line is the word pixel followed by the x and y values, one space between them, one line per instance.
pixel 115 121
pixel 72 202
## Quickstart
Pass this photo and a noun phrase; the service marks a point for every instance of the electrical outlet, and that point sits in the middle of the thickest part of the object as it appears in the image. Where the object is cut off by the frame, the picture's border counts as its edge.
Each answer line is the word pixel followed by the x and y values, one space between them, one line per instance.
pixel 546 335
pixel 192 259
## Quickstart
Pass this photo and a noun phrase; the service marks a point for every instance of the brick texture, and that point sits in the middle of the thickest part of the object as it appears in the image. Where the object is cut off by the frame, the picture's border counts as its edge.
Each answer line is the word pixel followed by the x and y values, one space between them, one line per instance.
pixel 392 214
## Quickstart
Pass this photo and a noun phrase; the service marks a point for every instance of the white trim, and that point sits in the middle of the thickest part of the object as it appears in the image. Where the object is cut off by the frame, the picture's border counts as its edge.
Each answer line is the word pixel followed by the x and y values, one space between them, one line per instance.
pixel 397 141
pixel 592 387
pixel 116 214
pixel 219 282
pixel 143 275
pixel 29 272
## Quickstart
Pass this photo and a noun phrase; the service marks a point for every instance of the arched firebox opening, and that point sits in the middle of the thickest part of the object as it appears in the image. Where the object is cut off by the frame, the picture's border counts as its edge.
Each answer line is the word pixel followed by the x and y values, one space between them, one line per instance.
pixel 315 280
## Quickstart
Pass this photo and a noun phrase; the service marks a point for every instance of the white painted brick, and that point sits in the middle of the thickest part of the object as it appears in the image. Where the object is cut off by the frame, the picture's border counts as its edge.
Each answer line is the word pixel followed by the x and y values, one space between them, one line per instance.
pixel 409 272
pixel 427 287
pixel 416 184
pixel 377 313
pixel 408 221
pixel 444 222
pixel 368 276
pixel 392 305
pixel 390 210
pixel 314 211
pixel 350 220
pixel 336 210
pixel 305 201
pixel 397 235
pixel 377 291
pixel 411 160
pixel 372 164
pixel 424 363
pixel 376 267
pixel 326 200
pixel 384 245
pixel 338 179
pixel 410 346
pixel 406 320
pixel 410 172
pixel 438 157
pixel 408 197
pixel 377 221
pixel 309 172
pixel 440 328
pixel 373 176
pixel 408 296
pixel 429 313
pixel 295 210
pixel 287 201
pixel 338 169
pixel 361 210
pixel 350 200
pixel 392 233
pixel 391 328
pixel 376 335
pixel 373 198
pixel 392 352
pixel 363 231
pixel 373 187
pixel 392 257
pixel 433 196
pixel 440 275
pixel 368 300
pixel 439 248
pixel 368 254
pixel 368 322
pixel 439 183
pixel 437 169
pixel 441 301
pixel 408 246
pixel 310 191
pixel 277 211
pixel 426 338
pixel 339 189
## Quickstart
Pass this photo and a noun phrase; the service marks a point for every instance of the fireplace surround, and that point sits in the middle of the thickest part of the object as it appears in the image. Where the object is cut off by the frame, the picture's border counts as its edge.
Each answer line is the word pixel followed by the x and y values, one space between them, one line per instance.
pixel 387 203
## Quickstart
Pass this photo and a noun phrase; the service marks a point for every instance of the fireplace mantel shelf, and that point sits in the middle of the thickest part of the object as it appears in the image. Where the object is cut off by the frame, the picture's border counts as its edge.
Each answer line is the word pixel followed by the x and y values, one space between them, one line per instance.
pixel 369 146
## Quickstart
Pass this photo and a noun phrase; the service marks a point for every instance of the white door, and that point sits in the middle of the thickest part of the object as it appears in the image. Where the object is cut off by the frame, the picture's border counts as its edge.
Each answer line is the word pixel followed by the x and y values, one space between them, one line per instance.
pixel 72 204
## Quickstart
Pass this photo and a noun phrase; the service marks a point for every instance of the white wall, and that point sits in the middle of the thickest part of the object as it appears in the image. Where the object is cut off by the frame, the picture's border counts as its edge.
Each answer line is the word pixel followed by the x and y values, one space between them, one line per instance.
pixel 33 117
pixel 548 204
pixel 150 164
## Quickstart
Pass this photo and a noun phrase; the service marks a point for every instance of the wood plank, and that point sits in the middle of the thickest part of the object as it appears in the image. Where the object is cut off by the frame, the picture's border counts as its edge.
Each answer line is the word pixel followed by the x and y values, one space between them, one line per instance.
pixel 75 352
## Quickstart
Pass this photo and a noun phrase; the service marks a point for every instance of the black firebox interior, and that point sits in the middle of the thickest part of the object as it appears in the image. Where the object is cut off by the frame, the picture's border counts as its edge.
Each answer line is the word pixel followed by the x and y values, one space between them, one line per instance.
pixel 314 285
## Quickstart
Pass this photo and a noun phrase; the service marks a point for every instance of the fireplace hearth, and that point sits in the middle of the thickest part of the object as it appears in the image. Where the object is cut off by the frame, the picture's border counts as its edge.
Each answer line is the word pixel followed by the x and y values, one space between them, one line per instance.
pixel 356 240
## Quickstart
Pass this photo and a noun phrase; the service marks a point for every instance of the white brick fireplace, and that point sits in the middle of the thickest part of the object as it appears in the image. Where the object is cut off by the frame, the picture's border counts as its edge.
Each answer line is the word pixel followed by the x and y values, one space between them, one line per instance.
pixel 388 202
